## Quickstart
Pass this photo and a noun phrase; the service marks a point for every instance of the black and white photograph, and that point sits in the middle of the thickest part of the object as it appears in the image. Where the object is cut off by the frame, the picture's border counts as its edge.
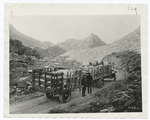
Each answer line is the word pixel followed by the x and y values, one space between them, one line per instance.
pixel 61 64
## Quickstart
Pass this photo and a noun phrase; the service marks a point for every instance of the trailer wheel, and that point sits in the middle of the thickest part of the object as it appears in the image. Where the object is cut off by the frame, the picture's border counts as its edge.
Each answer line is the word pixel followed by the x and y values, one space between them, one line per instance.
pixel 100 83
pixel 65 97
pixel 49 95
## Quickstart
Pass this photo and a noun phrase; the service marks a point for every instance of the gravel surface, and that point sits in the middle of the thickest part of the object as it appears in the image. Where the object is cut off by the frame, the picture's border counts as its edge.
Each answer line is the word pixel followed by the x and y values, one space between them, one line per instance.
pixel 42 105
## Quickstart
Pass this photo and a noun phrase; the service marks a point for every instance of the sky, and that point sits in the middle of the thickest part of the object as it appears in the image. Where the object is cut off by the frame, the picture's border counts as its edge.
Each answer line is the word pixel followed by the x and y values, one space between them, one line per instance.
pixel 57 29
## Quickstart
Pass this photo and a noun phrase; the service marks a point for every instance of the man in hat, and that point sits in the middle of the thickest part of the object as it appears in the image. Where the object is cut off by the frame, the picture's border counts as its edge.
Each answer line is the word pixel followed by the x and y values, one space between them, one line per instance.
pixel 89 83
pixel 84 84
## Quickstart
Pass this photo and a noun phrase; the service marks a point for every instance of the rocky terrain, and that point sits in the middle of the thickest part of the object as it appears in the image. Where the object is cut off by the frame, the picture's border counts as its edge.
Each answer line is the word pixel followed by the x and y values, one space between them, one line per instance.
pixel 124 54
pixel 51 51
pixel 24 58
pixel 91 41
pixel 130 42
pixel 20 59
pixel 124 95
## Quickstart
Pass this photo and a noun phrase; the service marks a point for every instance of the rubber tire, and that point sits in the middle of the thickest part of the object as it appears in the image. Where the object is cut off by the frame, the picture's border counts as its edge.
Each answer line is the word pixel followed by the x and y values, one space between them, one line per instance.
pixel 99 83
pixel 60 98
pixel 49 95
pixel 63 95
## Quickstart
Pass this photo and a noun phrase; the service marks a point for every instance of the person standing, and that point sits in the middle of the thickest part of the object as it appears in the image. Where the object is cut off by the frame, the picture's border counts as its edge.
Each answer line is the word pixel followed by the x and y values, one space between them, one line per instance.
pixel 84 84
pixel 89 83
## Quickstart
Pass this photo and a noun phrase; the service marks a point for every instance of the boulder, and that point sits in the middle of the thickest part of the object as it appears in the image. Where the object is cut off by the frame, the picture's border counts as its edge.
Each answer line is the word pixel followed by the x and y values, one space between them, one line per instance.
pixel 104 110
pixel 133 86
pixel 115 102
pixel 111 109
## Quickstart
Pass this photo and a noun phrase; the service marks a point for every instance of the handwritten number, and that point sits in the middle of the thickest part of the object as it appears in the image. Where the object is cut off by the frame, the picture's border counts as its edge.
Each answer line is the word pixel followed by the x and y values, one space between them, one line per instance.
pixel 131 8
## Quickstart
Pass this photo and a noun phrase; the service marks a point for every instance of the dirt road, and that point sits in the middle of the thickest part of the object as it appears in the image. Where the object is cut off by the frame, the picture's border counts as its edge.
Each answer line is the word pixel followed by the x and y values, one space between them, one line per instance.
pixel 42 105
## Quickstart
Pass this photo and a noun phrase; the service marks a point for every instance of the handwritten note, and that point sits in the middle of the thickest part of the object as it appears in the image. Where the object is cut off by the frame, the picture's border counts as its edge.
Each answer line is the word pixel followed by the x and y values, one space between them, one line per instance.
pixel 132 8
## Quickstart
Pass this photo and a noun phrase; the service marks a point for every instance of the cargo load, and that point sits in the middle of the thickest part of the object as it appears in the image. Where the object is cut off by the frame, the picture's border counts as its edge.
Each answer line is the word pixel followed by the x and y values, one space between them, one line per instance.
pixel 64 81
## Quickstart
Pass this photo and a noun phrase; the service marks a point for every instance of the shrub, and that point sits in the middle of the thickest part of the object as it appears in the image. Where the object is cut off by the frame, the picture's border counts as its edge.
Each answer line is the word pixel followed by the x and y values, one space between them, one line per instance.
pixel 130 79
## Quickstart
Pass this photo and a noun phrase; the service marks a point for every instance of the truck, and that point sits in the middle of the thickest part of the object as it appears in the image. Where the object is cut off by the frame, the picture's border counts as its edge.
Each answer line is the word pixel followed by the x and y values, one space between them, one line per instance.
pixel 63 82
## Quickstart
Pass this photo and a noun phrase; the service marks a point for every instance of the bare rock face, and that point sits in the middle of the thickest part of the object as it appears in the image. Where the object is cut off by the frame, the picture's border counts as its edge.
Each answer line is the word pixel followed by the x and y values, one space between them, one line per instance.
pixel 69 44
pixel 91 41
pixel 90 51
pixel 55 51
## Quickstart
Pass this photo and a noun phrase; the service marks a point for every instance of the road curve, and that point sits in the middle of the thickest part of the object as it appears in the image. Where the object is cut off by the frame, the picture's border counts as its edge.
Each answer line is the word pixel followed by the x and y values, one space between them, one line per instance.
pixel 42 105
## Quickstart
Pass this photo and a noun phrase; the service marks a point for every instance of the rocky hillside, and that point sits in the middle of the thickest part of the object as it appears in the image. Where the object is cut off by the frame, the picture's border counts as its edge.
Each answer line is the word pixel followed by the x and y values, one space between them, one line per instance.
pixel 127 60
pixel 91 41
pixel 20 59
pixel 50 52
pixel 26 40
pixel 18 48
pixel 130 42
pixel 124 95
pixel 55 51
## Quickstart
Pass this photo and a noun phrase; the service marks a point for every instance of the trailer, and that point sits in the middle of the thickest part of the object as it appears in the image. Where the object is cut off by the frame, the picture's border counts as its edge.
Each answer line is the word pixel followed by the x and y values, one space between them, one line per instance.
pixel 99 73
pixel 64 82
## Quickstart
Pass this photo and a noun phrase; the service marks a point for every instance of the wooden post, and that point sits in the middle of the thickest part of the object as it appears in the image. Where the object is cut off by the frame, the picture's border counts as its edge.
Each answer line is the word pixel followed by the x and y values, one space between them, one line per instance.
pixel 39 78
pixel 75 75
pixel 52 81
pixel 56 79
pixel 80 80
pixel 61 81
pixel 94 74
pixel 70 80
pixel 45 81
pixel 33 77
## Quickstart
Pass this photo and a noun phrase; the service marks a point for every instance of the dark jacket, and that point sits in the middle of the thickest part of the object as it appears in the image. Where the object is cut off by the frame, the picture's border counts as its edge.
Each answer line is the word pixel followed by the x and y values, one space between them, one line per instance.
pixel 89 79
pixel 84 81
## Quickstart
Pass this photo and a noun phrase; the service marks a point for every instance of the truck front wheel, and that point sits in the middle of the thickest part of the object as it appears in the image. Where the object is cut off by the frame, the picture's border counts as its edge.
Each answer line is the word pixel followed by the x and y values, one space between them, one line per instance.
pixel 65 96
pixel 49 95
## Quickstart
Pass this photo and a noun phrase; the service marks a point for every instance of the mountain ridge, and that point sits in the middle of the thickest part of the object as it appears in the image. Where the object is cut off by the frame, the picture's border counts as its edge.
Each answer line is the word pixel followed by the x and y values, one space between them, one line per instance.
pixel 26 40
pixel 91 41
pixel 129 42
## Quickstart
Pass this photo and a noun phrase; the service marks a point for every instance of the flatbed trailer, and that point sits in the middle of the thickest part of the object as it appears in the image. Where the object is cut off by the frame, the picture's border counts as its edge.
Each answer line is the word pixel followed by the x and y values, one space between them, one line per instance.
pixel 99 73
pixel 63 83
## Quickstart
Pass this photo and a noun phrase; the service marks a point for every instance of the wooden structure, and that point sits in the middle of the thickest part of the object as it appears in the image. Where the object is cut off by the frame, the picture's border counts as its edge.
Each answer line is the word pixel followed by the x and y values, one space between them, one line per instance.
pixel 63 82
pixel 53 83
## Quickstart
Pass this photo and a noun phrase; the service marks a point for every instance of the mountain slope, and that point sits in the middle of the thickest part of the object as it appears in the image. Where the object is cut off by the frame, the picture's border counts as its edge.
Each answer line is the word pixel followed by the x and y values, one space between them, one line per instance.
pixel 50 52
pixel 69 44
pixel 89 42
pixel 130 42
pixel 26 40
pixel 55 51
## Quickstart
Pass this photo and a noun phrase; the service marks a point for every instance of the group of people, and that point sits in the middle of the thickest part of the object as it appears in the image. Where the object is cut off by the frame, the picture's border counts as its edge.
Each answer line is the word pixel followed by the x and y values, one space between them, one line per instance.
pixel 87 82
